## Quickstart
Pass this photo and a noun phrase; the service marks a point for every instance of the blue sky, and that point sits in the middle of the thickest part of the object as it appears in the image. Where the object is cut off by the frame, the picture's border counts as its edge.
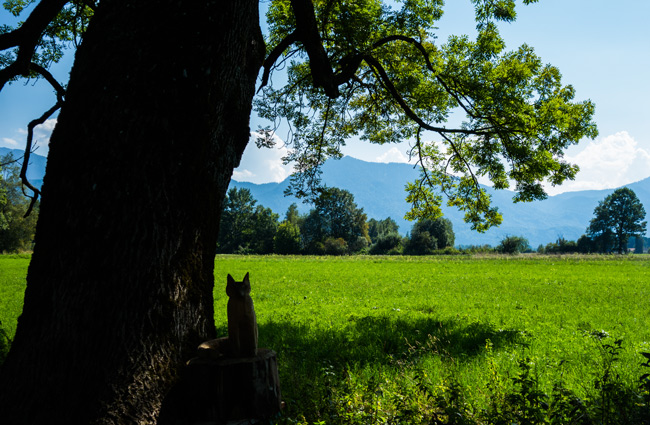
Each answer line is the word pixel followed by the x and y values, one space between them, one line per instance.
pixel 601 47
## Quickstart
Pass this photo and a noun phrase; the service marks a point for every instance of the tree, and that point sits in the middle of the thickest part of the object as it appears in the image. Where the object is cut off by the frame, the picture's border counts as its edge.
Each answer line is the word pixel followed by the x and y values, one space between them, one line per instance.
pixel 156 116
pixel 237 219
pixel 265 226
pixel 638 245
pixel 619 216
pixel 513 245
pixel 375 71
pixel 120 286
pixel 17 233
pixel 287 240
pixel 336 215
pixel 376 228
pixel 387 243
pixel 245 227
pixel 428 235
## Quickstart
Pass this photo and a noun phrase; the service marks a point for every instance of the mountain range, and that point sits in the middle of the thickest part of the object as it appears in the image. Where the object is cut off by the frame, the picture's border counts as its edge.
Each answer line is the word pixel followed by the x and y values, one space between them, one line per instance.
pixel 379 189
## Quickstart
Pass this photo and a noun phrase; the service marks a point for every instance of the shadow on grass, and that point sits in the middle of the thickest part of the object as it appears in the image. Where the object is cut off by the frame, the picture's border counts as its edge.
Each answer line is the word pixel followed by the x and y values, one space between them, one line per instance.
pixel 315 362
pixel 381 340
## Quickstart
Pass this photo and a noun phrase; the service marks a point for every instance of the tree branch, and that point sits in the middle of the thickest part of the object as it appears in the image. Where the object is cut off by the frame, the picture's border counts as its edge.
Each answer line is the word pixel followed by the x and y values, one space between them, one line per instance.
pixel 274 55
pixel 60 91
pixel 319 63
pixel 28 151
pixel 26 38
pixel 388 84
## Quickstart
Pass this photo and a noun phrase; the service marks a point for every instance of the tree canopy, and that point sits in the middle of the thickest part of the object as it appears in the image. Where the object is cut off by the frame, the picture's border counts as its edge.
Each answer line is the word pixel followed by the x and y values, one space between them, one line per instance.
pixel 616 218
pixel 375 70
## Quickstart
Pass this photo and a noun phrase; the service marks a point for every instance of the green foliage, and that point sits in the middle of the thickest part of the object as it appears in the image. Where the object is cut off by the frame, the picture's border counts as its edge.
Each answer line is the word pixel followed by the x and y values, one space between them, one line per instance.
pixel 16 230
pixel 244 227
pixel 387 243
pixel 378 228
pixel 513 245
pixel 638 245
pixel 377 73
pixel 563 246
pixel 287 240
pixel 63 32
pixel 336 215
pixel 616 218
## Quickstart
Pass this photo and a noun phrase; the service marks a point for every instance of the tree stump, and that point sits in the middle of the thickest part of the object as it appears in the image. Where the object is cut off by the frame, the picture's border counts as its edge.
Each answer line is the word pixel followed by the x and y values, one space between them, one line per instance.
pixel 226 390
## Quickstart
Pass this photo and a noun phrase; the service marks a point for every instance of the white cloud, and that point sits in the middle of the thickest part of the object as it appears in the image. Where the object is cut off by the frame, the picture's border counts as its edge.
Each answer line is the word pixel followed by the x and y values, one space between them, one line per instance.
pixel 42 133
pixel 607 163
pixel 9 142
pixel 242 175
pixel 263 165
pixel 392 155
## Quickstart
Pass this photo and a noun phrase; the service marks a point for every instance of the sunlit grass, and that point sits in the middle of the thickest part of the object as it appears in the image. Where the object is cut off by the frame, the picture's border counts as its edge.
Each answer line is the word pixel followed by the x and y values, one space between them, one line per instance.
pixel 372 339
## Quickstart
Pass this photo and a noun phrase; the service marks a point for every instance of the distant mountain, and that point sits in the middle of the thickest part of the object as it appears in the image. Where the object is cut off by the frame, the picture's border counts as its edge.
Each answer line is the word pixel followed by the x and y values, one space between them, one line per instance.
pixel 36 169
pixel 379 189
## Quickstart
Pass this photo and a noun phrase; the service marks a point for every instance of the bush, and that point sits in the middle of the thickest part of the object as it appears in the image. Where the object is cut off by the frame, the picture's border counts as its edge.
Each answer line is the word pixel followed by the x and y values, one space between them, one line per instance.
pixel 386 243
pixel 562 246
pixel 421 243
pixel 287 240
pixel 513 245
pixel 335 246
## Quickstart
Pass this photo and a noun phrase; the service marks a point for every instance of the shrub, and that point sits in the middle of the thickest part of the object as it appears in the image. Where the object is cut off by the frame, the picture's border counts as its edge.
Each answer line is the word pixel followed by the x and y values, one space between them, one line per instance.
pixel 387 243
pixel 513 245
pixel 335 246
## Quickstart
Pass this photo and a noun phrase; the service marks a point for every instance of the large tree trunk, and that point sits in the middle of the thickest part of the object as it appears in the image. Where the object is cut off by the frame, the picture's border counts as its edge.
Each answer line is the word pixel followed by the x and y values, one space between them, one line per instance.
pixel 120 287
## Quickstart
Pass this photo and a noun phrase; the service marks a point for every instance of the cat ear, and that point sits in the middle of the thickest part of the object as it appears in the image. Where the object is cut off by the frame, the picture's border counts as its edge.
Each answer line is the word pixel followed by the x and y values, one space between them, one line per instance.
pixel 246 278
pixel 230 280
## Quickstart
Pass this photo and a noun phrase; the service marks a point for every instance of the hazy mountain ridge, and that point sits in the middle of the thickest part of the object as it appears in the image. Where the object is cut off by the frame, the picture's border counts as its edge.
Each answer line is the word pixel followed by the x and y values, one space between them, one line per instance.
pixel 379 189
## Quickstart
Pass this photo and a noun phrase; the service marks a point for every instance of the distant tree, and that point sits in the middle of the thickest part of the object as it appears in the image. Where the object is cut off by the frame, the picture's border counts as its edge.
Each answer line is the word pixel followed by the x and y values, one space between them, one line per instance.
pixel 293 216
pixel 585 245
pixel 245 227
pixel 513 245
pixel 616 218
pixel 287 240
pixel 16 231
pixel 440 231
pixel 638 245
pixel 561 246
pixel 420 243
pixel 335 246
pixel 262 234
pixel 377 228
pixel 236 220
pixel 335 215
pixel 387 243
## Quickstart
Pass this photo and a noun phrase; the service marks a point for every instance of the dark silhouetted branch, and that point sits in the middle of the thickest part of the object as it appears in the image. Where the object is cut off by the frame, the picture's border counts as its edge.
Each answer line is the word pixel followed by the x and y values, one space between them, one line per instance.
pixel 26 38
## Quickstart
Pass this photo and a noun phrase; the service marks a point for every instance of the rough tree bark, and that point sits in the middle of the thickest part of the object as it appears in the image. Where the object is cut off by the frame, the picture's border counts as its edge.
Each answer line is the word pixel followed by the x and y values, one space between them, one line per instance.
pixel 119 289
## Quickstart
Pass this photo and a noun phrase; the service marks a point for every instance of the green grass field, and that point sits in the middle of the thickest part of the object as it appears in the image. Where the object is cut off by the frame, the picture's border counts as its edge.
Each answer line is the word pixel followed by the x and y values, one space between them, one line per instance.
pixel 454 339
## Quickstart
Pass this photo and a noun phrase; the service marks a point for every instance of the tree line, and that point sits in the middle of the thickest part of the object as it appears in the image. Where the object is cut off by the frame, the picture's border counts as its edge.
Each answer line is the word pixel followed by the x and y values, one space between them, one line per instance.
pixel 618 226
pixel 334 226
pixel 337 226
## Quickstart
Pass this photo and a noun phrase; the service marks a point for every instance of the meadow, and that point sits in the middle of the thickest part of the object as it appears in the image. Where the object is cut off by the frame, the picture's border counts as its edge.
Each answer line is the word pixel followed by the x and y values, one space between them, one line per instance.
pixel 442 339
